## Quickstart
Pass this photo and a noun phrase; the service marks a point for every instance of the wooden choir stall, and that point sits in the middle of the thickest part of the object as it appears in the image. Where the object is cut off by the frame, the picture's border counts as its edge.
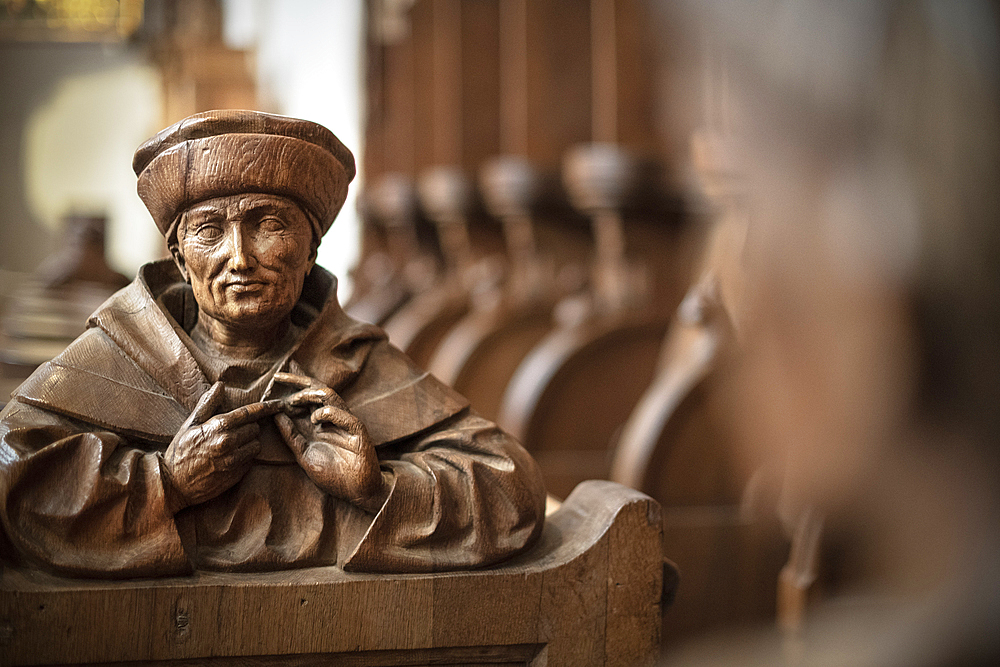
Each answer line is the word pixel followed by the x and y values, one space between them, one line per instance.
pixel 513 445
pixel 589 593
pixel 602 343
pixel 670 322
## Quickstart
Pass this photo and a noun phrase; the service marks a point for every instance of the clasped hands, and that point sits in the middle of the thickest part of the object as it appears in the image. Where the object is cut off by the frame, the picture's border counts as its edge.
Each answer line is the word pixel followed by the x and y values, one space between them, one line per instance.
pixel 211 453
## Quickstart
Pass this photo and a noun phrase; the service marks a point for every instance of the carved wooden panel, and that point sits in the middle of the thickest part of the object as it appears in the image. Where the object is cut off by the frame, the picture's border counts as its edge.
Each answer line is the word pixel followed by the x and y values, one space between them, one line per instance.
pixel 589 593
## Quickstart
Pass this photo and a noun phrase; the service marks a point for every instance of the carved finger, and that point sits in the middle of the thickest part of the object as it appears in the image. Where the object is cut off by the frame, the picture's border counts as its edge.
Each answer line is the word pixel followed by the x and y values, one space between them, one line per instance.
pixel 247 414
pixel 311 396
pixel 337 416
pixel 296 442
pixel 206 407
pixel 303 381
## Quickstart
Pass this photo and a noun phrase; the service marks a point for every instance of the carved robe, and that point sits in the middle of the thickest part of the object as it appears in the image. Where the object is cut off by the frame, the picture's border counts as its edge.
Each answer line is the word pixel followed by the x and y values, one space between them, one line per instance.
pixel 81 442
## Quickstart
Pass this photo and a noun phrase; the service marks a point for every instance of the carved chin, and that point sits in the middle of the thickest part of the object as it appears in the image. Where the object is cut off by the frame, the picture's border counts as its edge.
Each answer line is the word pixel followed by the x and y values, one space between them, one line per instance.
pixel 257 311
pixel 247 306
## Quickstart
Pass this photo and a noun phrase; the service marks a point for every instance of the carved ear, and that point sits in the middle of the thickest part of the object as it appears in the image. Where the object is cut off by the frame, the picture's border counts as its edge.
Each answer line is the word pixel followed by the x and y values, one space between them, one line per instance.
pixel 179 261
pixel 313 254
pixel 173 245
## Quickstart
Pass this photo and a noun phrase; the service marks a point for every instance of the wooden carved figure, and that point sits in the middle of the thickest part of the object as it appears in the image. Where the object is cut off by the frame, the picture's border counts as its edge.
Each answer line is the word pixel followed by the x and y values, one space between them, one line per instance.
pixel 223 413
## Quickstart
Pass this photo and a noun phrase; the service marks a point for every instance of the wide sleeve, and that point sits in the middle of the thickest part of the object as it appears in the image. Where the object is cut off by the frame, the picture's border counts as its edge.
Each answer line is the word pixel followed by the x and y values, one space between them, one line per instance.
pixel 81 501
pixel 463 495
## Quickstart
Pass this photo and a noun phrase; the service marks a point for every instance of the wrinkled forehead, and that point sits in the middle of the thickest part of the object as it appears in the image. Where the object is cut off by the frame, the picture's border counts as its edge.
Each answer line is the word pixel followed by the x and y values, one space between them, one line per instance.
pixel 236 206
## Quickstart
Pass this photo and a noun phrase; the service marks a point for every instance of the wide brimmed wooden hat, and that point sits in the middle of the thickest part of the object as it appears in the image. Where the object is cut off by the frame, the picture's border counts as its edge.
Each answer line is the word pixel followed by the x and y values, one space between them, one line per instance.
pixel 219 153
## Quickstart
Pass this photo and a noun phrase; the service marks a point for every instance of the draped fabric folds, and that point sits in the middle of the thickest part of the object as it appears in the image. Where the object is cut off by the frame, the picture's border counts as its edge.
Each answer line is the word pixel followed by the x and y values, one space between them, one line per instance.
pixel 81 442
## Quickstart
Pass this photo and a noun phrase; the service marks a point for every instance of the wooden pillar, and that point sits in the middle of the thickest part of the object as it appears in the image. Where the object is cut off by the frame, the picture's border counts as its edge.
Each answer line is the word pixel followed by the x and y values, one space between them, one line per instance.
pixel 604 71
pixel 513 45
pixel 446 81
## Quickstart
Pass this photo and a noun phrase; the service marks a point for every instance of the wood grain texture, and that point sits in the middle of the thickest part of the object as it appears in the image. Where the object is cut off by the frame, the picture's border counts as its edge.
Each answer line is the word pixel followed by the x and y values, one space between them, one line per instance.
pixel 588 594
pixel 679 446
pixel 419 326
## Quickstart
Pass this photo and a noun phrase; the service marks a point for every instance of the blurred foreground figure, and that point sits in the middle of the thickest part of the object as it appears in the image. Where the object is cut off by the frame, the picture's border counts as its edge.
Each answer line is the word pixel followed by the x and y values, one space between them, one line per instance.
pixel 868 135
pixel 223 413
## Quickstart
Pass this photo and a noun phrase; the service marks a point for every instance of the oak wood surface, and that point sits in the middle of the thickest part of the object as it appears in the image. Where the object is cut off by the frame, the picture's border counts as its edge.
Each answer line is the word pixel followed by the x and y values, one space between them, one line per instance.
pixel 679 446
pixel 418 326
pixel 589 593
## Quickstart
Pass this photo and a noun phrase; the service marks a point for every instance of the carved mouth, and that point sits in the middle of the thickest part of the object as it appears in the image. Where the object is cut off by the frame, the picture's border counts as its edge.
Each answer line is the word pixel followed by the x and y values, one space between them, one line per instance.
pixel 245 285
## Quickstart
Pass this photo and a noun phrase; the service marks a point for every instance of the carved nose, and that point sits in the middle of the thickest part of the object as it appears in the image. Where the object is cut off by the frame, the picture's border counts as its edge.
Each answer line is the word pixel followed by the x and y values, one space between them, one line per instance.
pixel 241 255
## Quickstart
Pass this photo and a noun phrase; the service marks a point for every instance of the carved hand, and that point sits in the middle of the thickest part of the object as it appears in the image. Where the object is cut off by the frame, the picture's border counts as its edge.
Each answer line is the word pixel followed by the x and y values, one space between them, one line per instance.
pixel 333 445
pixel 210 454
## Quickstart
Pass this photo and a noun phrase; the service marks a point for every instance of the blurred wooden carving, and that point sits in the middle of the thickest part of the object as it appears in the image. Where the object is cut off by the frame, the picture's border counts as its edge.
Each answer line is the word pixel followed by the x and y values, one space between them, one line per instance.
pixel 47 312
pixel 223 413
pixel 579 383
pixel 389 277
pixel 575 388
pixel 678 446
pixel 481 352
pixel 458 63
pixel 700 342
pixel 418 327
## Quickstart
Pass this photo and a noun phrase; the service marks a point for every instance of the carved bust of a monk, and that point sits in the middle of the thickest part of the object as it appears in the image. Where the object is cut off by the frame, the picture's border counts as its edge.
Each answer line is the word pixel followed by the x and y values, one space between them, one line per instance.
pixel 223 413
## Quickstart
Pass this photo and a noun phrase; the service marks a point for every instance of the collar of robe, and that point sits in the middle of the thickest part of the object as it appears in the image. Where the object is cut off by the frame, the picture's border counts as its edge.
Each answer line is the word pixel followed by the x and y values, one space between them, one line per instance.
pixel 130 372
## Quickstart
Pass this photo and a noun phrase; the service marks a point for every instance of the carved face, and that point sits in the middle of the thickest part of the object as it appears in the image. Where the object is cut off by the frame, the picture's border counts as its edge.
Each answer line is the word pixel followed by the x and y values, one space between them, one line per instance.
pixel 246 257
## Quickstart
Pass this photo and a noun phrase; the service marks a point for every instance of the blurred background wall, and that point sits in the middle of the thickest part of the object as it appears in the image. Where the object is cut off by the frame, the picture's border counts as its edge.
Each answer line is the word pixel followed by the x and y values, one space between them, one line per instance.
pixel 69 113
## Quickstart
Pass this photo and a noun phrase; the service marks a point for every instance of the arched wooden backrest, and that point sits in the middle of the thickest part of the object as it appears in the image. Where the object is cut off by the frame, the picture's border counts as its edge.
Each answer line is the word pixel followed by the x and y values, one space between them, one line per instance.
pixel 589 593
pixel 575 389
pixel 401 265
pixel 678 446
pixel 699 339
pixel 379 304
pixel 480 354
pixel 418 327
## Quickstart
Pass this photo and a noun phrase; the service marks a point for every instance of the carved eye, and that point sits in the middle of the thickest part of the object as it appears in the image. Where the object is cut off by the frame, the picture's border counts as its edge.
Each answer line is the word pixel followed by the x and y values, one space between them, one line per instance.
pixel 271 224
pixel 208 232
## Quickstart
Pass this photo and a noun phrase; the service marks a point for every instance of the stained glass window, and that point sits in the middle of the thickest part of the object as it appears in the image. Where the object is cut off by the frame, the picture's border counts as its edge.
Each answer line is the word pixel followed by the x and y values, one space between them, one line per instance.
pixel 69 20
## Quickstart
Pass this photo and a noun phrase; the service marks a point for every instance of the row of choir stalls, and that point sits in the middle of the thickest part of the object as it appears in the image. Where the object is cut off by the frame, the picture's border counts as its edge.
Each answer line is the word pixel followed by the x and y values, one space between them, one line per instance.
pixel 747 264
pixel 537 236
pixel 44 308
